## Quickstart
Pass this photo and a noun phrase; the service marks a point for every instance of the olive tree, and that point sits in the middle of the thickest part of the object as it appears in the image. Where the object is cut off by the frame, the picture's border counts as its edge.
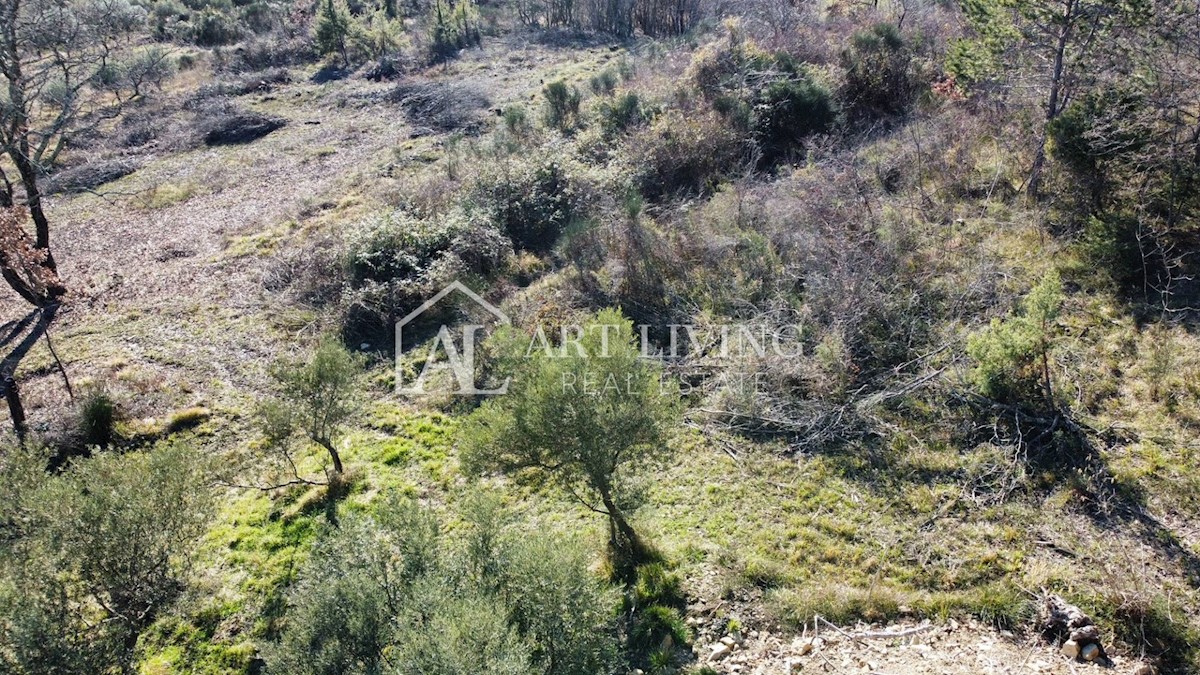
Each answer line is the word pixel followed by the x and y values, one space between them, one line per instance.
pixel 590 416
pixel 314 399
pixel 397 592
pixel 90 557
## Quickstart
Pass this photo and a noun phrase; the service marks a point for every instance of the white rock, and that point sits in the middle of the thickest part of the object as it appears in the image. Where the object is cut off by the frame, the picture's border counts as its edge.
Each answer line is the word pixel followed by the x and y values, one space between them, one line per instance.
pixel 719 651
pixel 728 641
pixel 1070 649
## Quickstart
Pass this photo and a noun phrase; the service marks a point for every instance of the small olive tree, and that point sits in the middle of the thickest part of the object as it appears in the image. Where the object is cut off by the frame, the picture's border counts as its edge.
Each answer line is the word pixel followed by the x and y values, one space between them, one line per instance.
pixel 93 555
pixel 314 399
pixel 591 416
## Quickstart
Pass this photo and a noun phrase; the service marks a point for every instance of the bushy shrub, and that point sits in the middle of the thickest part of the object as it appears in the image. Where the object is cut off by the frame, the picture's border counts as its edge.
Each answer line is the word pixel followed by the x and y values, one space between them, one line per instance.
pixel 532 201
pixel 562 106
pixel 97 416
pixel 787 112
pixel 1012 356
pixel 880 80
pixel 623 112
pixel 683 153
pixel 212 28
pixel 772 97
pixel 98 552
pixel 491 599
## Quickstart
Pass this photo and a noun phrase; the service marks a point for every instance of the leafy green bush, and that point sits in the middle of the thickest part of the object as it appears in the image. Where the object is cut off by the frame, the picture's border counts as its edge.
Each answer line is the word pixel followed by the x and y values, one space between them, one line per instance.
pixel 1012 355
pixel 562 106
pixel 787 112
pixel 100 551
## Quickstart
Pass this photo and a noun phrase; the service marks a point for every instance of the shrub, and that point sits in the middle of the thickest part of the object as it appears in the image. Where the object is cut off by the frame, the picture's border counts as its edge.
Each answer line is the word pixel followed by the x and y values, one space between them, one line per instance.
pixel 531 201
pixel 654 626
pixel 1012 355
pixel 491 599
pixel 880 81
pixel 605 82
pixel 97 417
pixel 770 96
pixel 684 154
pixel 657 585
pixel 562 106
pixel 454 26
pixel 623 112
pixel 787 112
pixel 212 28
pixel 103 548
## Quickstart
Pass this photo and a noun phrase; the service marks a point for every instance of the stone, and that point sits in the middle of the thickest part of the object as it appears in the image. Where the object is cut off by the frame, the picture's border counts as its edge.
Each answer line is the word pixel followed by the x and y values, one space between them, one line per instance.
pixel 792 666
pixel 719 651
pixel 1090 652
pixel 1146 669
pixel 1070 649
pixel 728 641
pixel 1086 634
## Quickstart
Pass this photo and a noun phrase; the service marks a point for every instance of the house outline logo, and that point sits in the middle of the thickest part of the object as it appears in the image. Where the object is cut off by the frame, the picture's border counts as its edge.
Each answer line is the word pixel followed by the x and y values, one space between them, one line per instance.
pixel 461 364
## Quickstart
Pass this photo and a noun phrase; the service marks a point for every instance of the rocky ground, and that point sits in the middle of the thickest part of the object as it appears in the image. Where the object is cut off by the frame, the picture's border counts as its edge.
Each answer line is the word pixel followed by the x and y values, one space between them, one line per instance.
pixel 894 649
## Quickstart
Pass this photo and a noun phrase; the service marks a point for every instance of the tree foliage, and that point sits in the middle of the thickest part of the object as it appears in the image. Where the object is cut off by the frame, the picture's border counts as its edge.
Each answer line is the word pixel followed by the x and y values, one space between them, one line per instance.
pixel 314 399
pixel 92 556
pixel 395 593
pixel 591 417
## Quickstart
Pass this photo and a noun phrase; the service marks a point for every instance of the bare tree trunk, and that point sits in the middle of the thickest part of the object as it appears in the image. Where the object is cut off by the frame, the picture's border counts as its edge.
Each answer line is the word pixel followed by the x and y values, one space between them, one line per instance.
pixel 334 455
pixel 6 191
pixel 1054 100
pixel 33 198
pixel 12 395
pixel 628 549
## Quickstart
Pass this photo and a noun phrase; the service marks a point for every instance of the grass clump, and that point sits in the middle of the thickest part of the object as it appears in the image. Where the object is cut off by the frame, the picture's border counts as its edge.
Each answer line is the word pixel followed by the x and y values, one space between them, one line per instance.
pixel 97 417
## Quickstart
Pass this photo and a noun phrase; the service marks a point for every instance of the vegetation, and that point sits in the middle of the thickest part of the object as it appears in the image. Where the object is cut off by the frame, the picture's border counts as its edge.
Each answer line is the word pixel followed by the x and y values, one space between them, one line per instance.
pixel 593 417
pixel 881 312
pixel 395 591
pixel 315 399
